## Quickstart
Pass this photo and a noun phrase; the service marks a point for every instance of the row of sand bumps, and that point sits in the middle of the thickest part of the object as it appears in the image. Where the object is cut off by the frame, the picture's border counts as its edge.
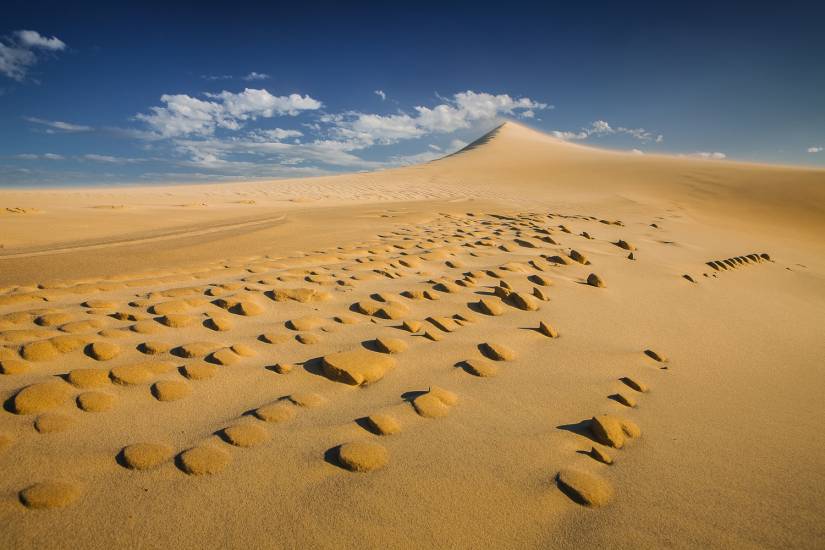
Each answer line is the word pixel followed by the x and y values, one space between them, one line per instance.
pixel 349 314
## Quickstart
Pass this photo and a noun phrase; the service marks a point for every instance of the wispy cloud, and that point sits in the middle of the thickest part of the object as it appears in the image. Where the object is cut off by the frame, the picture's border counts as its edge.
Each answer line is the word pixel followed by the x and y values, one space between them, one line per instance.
pixel 381 94
pixel 815 149
pixel 249 77
pixel 256 76
pixel 58 125
pixel 108 159
pixel 715 155
pixel 43 156
pixel 600 128
pixel 21 51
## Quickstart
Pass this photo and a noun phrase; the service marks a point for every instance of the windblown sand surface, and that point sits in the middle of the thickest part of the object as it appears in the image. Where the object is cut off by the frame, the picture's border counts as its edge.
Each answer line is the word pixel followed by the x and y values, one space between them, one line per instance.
pixel 527 343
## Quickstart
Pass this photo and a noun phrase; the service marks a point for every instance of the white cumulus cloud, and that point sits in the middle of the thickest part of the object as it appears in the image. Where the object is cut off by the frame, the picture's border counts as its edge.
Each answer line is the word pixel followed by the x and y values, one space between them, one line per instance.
pixel 815 149
pixel 459 112
pixel 184 115
pixel 34 39
pixel 18 54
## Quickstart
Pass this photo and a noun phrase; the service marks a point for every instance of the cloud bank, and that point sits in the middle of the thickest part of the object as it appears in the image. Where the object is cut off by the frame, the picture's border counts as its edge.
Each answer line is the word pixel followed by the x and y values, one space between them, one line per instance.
pixel 214 131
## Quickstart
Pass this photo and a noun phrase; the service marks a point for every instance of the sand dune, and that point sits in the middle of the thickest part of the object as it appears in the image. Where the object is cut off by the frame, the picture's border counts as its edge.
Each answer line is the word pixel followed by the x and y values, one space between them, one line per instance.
pixel 526 343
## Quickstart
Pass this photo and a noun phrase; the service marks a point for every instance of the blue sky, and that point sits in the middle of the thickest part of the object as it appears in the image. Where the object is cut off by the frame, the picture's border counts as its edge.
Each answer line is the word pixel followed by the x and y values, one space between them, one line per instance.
pixel 96 93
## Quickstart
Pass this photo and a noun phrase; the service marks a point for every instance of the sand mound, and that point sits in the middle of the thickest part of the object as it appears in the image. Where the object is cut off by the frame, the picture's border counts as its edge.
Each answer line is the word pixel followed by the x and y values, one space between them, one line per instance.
pixel 146 326
pixel 600 455
pixel 307 338
pixel 411 325
pixel 225 357
pixel 199 371
pixel 219 323
pixel 170 390
pixel 383 424
pixel 276 412
pixel 595 280
pixel 42 397
pixel 88 378
pixel 50 494
pixel 132 375
pixel 480 367
pixel 243 350
pixel 245 435
pixel 541 280
pixel 656 356
pixel 302 295
pixel 13 366
pixel 275 338
pixel 153 348
pixel 358 367
pixel 309 322
pixel 548 330
pixel 203 460
pixel 584 488
pixel 363 456
pixel 94 401
pixel 435 403
pixel 577 256
pixel 309 400
pixel 497 352
pixel 102 351
pixel 635 384
pixel 624 399
pixel 282 368
pixel 42 350
pixel 429 406
pixel 177 320
pixel 144 456
pixel 53 423
pixel 385 344
pixel 196 349
pixel 246 306
pixel 611 430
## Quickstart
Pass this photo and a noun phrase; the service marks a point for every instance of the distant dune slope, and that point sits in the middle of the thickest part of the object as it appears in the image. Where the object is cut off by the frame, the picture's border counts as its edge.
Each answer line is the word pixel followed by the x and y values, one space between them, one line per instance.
pixel 518 157
pixel 511 165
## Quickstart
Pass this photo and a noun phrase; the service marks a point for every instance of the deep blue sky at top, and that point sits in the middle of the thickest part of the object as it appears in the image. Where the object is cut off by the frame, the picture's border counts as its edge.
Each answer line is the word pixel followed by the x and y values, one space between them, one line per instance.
pixel 740 79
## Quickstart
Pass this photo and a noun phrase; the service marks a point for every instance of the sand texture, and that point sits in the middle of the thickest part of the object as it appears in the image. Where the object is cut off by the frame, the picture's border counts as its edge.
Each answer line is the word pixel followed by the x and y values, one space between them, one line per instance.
pixel 528 343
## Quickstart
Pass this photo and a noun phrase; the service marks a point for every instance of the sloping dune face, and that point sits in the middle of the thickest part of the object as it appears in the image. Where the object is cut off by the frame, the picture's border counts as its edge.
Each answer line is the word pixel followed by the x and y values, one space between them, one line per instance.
pixel 528 343
pixel 519 158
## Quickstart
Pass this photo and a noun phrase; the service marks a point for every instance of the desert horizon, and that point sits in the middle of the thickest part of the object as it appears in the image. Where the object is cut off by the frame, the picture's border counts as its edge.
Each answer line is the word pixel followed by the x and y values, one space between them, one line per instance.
pixel 520 337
